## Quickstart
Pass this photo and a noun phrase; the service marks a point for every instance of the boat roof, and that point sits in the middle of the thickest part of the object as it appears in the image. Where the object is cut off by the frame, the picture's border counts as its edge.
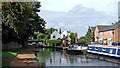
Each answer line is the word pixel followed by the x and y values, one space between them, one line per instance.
pixel 105 46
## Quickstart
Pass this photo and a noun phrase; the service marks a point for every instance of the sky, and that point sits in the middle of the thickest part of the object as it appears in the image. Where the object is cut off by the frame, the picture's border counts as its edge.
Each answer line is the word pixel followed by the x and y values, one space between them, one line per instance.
pixel 77 15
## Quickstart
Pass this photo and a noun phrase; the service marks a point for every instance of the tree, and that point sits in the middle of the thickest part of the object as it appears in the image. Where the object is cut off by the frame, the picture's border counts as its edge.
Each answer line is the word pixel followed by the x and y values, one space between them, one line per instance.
pixel 88 36
pixel 82 40
pixel 20 20
pixel 72 36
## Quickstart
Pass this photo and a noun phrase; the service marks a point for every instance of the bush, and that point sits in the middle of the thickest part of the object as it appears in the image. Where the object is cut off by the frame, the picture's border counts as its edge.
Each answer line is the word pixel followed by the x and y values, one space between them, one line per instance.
pixel 52 42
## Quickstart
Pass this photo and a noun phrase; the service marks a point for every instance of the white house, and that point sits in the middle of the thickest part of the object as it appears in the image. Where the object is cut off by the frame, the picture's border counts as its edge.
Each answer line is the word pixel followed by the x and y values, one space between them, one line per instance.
pixel 55 35
pixel 64 33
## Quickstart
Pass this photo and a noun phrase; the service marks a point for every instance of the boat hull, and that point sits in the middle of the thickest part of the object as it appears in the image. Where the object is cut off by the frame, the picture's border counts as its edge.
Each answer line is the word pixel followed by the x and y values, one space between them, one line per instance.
pixel 113 51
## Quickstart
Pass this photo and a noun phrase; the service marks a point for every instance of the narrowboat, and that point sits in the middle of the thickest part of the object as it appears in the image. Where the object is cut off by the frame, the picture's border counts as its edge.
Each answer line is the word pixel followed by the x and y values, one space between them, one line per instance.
pixel 113 50
pixel 77 47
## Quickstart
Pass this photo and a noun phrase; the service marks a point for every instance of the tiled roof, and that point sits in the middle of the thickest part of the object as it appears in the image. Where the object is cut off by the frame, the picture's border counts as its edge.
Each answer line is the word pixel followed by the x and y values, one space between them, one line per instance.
pixel 111 27
pixel 101 27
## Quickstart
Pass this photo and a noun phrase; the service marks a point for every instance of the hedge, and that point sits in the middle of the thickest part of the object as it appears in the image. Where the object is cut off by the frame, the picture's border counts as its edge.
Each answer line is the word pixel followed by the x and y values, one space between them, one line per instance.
pixel 52 41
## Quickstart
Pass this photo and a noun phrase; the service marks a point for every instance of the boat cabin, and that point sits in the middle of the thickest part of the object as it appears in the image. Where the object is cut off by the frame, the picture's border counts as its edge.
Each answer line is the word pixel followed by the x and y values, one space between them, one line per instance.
pixel 105 50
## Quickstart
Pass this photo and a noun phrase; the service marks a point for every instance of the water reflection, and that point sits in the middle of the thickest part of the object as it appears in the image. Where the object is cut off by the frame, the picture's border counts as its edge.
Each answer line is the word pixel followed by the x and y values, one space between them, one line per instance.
pixel 53 57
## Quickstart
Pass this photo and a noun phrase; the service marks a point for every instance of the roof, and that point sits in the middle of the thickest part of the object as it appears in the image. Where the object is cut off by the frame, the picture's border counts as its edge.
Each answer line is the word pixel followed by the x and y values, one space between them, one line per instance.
pixel 111 27
pixel 101 27
pixel 93 29
pixel 68 38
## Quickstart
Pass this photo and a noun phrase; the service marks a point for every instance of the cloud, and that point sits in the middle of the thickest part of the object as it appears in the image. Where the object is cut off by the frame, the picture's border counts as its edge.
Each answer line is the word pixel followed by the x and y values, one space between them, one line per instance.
pixel 77 19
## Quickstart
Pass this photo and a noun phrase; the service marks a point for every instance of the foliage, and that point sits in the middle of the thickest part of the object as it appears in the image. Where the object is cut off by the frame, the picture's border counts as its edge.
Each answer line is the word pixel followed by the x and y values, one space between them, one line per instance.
pixel 40 36
pixel 88 36
pixel 82 40
pixel 83 37
pixel 53 41
pixel 72 36
pixel 20 20
pixel 44 36
pixel 48 32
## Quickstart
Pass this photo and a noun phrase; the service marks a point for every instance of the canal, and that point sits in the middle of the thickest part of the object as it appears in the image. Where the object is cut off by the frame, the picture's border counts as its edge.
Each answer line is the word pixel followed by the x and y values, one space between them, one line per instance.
pixel 55 57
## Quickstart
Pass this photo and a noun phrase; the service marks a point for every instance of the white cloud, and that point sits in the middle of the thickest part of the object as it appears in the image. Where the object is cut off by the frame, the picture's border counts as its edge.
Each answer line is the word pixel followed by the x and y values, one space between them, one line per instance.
pixel 77 19
pixel 66 5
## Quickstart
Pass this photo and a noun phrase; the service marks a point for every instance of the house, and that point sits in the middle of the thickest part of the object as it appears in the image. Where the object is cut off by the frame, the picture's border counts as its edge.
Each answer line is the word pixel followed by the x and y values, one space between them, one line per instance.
pixel 110 34
pixel 106 34
pixel 97 29
pixel 65 41
pixel 55 35
pixel 64 36
pixel 65 33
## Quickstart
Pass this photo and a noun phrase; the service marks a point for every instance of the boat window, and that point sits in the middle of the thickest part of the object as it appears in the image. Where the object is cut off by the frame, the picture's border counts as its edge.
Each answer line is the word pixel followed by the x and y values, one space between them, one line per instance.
pixel 90 48
pixel 118 44
pixel 103 50
pixel 96 49
pixel 111 50
pixel 114 44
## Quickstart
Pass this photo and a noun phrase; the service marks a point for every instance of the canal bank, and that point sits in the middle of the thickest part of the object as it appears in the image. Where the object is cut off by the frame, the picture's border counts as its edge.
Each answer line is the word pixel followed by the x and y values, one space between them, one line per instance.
pixel 25 58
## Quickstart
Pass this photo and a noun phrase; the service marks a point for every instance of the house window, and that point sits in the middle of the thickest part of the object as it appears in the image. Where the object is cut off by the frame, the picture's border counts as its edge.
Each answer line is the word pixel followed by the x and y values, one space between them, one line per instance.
pixel 96 33
pixel 110 32
pixel 101 33
pixel 53 36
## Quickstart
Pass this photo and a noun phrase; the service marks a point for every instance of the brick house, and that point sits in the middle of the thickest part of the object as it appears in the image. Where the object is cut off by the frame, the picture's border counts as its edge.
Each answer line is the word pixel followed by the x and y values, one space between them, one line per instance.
pixel 106 34
pixel 97 29
pixel 110 34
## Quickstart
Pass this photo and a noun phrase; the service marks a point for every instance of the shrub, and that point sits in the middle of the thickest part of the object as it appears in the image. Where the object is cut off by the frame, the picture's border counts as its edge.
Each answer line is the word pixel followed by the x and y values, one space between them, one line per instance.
pixel 52 41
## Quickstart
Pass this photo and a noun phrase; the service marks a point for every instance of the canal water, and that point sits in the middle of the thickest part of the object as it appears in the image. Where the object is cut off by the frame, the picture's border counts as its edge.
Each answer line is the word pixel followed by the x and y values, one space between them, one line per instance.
pixel 55 57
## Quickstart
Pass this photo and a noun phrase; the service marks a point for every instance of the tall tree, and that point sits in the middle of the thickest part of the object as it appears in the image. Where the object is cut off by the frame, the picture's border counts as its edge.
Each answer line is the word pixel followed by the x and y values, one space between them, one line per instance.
pixel 20 20
pixel 88 35
pixel 72 36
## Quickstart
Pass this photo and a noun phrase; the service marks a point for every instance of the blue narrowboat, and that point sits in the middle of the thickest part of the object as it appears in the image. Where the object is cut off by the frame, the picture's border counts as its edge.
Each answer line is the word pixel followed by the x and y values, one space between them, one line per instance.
pixel 113 50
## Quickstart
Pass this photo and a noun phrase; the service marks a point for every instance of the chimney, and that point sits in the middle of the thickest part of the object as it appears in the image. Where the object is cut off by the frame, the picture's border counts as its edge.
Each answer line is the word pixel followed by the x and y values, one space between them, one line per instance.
pixel 75 37
pixel 60 30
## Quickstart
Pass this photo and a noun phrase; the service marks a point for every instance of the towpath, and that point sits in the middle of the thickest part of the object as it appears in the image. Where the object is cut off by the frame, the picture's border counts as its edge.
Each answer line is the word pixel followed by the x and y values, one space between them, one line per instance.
pixel 25 58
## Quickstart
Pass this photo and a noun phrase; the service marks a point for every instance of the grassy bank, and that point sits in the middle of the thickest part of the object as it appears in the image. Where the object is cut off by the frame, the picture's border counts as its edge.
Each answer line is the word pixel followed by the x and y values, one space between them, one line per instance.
pixel 7 55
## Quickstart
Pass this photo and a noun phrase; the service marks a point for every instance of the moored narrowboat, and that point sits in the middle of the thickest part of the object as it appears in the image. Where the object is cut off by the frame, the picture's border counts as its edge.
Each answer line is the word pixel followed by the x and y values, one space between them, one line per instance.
pixel 77 48
pixel 113 50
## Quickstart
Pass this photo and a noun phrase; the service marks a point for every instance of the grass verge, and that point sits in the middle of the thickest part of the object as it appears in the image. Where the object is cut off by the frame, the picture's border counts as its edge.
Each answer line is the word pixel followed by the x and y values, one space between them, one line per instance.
pixel 8 55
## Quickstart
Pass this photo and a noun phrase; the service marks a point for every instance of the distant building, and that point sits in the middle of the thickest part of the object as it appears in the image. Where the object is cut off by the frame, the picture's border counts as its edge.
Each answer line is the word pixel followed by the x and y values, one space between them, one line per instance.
pixel 64 33
pixel 97 29
pixel 55 35
pixel 111 34
pixel 107 34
